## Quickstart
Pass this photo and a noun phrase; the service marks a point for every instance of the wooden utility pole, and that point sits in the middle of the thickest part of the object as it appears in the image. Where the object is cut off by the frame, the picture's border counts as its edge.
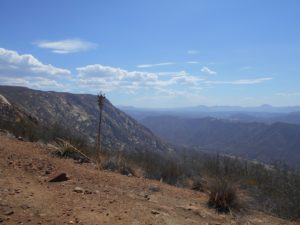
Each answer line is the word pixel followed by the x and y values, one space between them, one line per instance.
pixel 101 100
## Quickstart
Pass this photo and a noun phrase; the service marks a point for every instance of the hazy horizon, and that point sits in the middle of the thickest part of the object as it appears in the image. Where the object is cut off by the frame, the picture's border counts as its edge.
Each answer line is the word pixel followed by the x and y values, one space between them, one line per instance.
pixel 163 108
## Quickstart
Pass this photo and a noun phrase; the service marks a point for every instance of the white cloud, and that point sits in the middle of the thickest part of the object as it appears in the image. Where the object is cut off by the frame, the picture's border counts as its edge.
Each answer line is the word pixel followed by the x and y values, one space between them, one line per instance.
pixel 241 82
pixel 185 78
pixel 26 70
pixel 208 71
pixel 98 70
pixel 155 65
pixel 173 73
pixel 192 52
pixel 66 46
pixel 16 65
pixel 111 78
pixel 192 62
pixel 31 82
pixel 288 94
pixel 44 82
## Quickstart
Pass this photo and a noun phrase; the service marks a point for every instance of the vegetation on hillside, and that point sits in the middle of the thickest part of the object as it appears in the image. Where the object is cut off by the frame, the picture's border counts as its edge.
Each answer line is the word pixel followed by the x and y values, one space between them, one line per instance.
pixel 253 140
pixel 274 188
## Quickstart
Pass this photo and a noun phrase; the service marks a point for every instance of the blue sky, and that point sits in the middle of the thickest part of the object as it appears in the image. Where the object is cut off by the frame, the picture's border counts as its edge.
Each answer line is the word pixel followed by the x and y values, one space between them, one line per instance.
pixel 155 53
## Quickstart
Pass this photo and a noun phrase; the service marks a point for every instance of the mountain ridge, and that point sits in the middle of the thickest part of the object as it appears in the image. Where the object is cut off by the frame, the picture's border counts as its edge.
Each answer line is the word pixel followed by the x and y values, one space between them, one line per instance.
pixel 285 114
pixel 253 140
pixel 219 108
pixel 79 112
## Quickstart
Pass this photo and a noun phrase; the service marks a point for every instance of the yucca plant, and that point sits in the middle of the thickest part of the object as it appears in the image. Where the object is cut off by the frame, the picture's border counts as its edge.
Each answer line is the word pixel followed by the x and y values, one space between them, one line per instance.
pixel 101 100
pixel 63 148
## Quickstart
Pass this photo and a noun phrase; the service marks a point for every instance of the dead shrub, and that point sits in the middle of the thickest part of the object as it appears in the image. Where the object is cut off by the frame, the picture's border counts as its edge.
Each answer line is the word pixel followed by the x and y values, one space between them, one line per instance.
pixel 125 169
pixel 109 164
pixel 198 185
pixel 222 196
pixel 116 163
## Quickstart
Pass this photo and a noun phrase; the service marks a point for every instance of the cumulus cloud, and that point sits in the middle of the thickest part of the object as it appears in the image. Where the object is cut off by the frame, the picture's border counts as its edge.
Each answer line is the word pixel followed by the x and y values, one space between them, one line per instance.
pixel 26 70
pixel 98 70
pixel 241 82
pixel 66 46
pixel 185 78
pixel 31 82
pixel 111 78
pixel 16 65
pixel 208 71
pixel 155 65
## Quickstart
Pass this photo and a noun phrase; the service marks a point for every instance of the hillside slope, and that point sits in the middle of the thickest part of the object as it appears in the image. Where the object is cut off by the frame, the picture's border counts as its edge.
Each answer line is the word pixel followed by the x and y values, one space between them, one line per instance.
pixel 107 198
pixel 15 119
pixel 79 113
pixel 273 142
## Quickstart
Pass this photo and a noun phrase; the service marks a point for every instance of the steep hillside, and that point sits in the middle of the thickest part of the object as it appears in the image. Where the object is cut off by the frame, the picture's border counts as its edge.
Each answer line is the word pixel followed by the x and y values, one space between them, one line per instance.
pixel 79 113
pixel 11 113
pixel 97 197
pixel 278 141
pixel 15 119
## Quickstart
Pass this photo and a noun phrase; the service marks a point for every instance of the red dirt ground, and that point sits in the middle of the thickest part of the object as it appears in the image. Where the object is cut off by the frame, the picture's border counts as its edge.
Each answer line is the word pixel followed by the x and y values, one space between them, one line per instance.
pixel 108 198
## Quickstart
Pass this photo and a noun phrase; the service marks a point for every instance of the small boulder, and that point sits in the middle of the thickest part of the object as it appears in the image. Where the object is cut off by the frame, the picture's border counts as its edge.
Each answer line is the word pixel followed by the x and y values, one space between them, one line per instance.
pixel 24 206
pixel 8 212
pixel 59 178
pixel 154 189
pixel 78 190
pixel 87 192
pixel 20 138
pixel 154 212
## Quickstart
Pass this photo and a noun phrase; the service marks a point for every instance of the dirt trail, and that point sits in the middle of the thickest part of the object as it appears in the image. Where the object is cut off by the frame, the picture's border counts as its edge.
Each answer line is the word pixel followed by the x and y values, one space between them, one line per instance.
pixel 107 198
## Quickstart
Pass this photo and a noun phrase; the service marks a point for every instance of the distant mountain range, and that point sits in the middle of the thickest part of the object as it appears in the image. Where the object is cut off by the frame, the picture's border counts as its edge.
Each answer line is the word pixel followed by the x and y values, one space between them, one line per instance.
pixel 292 117
pixel 254 135
pixel 202 108
pixel 253 140
pixel 263 114
pixel 79 113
